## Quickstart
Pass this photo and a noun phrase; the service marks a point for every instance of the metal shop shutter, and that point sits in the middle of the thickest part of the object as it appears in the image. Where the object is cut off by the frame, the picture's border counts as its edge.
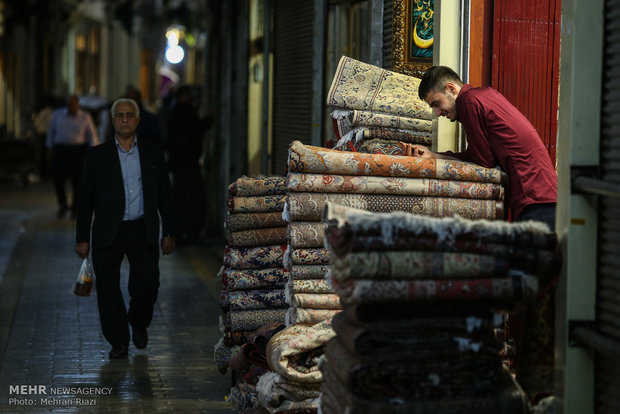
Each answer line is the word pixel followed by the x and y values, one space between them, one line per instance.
pixel 292 77
pixel 608 281
pixel 526 32
pixel 387 33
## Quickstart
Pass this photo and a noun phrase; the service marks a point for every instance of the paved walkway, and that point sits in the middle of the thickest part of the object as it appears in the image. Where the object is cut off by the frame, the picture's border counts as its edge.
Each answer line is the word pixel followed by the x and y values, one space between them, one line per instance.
pixel 53 357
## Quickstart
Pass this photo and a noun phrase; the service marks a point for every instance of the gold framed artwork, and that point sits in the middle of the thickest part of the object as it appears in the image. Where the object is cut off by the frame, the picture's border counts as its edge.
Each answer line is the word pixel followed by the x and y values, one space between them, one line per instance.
pixel 413 35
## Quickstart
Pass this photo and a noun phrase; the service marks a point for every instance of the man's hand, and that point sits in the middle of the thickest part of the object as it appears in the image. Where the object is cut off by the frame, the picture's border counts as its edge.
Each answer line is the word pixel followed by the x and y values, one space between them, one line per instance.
pixel 82 249
pixel 167 245
pixel 415 150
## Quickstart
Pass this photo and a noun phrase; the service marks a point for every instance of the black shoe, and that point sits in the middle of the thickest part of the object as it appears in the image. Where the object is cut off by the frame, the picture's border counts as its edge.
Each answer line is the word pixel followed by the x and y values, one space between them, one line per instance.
pixel 118 352
pixel 140 337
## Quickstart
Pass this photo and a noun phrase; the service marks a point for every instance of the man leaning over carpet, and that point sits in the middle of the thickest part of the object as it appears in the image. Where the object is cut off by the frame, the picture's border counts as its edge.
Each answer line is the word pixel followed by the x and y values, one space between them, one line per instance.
pixel 126 187
pixel 497 134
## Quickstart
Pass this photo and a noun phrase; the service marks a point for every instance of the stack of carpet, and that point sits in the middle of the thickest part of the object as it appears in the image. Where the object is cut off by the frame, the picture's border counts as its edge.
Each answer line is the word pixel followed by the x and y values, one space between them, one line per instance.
pixel 308 294
pixel 253 276
pixel 253 279
pixel 373 182
pixel 384 183
pixel 376 110
pixel 421 297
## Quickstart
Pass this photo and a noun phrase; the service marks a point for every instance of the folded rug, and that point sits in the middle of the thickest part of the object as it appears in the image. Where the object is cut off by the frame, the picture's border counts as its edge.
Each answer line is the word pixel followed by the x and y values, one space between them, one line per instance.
pixel 358 85
pixel 243 397
pixel 225 299
pixel 345 120
pixel 281 395
pixel 463 374
pixel 257 237
pixel 389 311
pixel 355 222
pixel 359 134
pixel 294 351
pixel 253 319
pixel 311 159
pixel 254 257
pixel 314 301
pixel 362 184
pixel 421 337
pixel 309 256
pixel 309 206
pixel 507 291
pixel 342 242
pixel 306 234
pixel 236 338
pixel 336 398
pixel 307 286
pixel 233 279
pixel 222 355
pixel 256 204
pixel 417 265
pixel 248 186
pixel 378 146
pixel 301 272
pixel 254 355
pixel 257 299
pixel 308 315
pixel 247 221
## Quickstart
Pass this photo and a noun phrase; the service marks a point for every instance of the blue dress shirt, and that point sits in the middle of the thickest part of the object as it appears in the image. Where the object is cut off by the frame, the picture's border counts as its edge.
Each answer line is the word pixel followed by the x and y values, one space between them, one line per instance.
pixel 132 180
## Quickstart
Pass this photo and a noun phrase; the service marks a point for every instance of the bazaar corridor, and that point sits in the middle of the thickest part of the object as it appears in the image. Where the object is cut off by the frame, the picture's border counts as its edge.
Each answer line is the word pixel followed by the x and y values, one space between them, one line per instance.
pixel 51 339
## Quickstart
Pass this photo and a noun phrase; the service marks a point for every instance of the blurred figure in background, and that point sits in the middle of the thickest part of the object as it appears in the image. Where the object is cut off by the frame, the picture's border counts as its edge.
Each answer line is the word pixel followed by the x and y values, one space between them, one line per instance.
pixel 149 127
pixel 185 137
pixel 41 121
pixel 71 131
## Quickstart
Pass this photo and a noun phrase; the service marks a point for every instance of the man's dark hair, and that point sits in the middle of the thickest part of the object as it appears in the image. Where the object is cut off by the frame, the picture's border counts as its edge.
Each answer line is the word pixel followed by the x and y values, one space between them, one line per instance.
pixel 436 78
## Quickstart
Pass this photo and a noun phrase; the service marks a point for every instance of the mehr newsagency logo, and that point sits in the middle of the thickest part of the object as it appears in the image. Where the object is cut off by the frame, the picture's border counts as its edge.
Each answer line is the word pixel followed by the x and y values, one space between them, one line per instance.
pixel 42 395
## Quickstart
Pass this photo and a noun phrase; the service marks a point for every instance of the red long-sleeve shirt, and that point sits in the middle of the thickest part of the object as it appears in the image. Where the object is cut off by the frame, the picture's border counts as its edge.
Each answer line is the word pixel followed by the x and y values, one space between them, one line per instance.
pixel 498 134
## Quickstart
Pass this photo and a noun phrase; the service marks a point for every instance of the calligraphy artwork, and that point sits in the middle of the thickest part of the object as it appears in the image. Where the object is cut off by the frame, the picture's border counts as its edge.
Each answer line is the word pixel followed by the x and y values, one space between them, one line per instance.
pixel 413 36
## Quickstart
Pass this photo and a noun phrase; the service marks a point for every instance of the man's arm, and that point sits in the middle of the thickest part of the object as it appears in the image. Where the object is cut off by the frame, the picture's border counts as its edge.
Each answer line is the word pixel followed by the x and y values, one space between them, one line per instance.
pixel 85 208
pixel 164 203
pixel 416 150
pixel 49 140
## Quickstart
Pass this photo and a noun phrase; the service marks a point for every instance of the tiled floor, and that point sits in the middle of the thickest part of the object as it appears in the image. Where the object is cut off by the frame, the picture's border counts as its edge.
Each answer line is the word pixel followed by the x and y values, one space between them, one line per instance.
pixel 50 339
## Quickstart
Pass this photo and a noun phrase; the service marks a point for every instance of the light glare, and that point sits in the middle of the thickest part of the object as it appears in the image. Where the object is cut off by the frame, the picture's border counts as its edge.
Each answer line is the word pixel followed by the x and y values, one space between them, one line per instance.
pixel 174 54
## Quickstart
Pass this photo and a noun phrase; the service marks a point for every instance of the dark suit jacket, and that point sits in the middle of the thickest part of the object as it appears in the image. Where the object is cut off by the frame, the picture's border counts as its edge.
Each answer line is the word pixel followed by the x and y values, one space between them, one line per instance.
pixel 103 194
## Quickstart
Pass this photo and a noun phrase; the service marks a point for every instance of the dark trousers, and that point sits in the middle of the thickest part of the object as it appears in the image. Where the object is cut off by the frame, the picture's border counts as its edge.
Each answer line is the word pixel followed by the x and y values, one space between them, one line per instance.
pixel 68 164
pixel 544 212
pixel 190 202
pixel 143 282
pixel 533 329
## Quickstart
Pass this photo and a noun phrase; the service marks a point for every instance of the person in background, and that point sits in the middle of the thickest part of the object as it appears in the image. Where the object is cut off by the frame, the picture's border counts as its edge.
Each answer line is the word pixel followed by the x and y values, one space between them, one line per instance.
pixel 185 137
pixel 71 130
pixel 41 121
pixel 149 127
pixel 127 189
pixel 497 134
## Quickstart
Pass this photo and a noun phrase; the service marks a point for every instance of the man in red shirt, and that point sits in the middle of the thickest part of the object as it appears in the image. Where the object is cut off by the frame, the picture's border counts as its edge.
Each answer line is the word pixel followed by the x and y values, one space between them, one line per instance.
pixel 497 134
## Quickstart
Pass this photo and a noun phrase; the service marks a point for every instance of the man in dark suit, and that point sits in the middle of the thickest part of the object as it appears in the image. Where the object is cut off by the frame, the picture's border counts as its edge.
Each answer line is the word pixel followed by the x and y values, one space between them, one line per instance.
pixel 126 187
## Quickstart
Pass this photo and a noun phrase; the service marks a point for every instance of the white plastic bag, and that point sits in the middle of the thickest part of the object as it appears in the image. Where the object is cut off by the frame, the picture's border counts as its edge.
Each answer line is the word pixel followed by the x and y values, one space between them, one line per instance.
pixel 84 281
